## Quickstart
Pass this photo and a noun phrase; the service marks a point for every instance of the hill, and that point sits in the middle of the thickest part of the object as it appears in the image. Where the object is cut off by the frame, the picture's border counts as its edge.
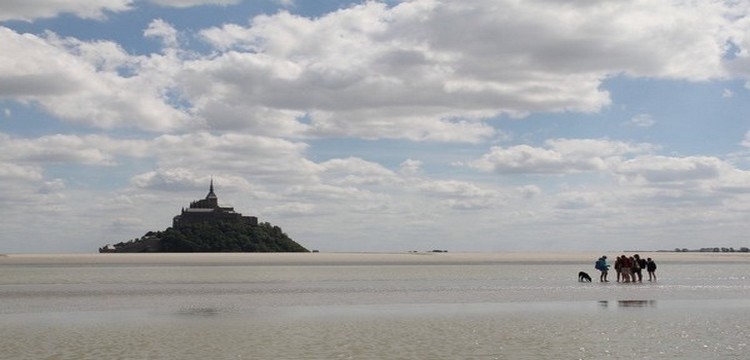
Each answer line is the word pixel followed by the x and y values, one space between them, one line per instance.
pixel 205 226
pixel 211 237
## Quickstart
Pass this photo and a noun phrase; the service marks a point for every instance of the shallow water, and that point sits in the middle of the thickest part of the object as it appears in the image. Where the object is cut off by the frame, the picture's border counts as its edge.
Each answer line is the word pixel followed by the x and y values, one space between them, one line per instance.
pixel 500 310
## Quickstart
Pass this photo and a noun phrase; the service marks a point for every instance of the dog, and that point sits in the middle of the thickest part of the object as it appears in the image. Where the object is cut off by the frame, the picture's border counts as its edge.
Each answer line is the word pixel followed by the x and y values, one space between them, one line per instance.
pixel 582 276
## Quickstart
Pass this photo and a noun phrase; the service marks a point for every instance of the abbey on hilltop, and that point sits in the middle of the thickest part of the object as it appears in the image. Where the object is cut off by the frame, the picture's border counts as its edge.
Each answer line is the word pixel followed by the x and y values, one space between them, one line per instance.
pixel 207 227
pixel 209 211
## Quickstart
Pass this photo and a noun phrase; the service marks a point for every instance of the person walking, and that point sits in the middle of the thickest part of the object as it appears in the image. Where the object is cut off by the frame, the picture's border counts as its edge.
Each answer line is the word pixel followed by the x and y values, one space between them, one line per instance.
pixel 625 269
pixel 638 266
pixel 603 267
pixel 618 267
pixel 651 269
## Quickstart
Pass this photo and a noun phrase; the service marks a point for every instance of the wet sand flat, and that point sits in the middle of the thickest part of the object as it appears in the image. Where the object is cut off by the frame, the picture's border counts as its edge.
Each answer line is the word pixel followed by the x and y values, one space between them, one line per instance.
pixel 342 258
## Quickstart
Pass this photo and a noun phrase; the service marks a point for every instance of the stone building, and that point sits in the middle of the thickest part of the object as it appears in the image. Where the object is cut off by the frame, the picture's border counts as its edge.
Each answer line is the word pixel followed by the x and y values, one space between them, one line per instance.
pixel 208 211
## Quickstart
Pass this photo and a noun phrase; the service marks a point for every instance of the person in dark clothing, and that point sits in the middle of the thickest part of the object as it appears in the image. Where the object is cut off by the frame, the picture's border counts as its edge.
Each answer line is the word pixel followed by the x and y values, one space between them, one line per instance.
pixel 638 266
pixel 651 268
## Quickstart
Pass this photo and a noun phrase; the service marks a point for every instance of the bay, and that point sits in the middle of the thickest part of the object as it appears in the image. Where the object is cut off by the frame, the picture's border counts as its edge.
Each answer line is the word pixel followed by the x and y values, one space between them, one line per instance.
pixel 369 306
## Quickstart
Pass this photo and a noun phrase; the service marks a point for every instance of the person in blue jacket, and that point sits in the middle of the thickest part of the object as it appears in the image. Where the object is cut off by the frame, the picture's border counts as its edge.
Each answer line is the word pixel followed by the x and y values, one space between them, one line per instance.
pixel 603 267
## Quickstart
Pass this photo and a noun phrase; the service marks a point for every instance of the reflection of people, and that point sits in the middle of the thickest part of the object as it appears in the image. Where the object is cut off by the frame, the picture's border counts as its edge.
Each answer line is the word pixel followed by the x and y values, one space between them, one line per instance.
pixel 636 303
pixel 603 267
pixel 651 268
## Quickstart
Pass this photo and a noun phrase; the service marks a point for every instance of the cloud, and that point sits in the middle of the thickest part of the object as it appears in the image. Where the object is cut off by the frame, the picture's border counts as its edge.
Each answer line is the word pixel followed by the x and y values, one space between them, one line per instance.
pixel 634 168
pixel 562 156
pixel 355 171
pixel 12 171
pixel 292 209
pixel 249 107
pixel 184 179
pixel 191 3
pixel 160 29
pixel 411 167
pixel 174 179
pixel 88 83
pixel 273 160
pixel 93 150
pixel 643 120
pixel 672 170
pixel 30 10
pixel 372 70
pixel 377 71
pixel 577 200
pixel 461 194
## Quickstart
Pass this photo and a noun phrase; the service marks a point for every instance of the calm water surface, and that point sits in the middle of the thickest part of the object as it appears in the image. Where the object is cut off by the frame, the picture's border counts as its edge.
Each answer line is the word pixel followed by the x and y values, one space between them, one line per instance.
pixel 370 311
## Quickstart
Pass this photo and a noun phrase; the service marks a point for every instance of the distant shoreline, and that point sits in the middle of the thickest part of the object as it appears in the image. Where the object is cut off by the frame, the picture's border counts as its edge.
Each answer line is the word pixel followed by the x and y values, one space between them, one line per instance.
pixel 363 258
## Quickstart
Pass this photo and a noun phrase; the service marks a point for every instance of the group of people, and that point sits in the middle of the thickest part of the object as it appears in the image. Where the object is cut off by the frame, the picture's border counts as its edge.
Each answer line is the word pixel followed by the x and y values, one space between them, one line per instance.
pixel 629 269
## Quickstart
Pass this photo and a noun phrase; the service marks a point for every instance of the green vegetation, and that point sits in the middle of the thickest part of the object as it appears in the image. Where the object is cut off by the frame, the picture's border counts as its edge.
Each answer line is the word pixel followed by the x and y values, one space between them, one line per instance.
pixel 212 237
pixel 227 237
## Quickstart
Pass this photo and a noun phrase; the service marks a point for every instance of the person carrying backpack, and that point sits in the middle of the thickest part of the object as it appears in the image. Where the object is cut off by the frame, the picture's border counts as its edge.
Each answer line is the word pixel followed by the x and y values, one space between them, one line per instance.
pixel 603 267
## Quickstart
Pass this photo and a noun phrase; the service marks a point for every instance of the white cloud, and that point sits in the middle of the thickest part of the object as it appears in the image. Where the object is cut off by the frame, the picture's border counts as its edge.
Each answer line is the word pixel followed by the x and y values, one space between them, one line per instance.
pixel 13 172
pixel 410 167
pixel 355 171
pixel 577 200
pixel 185 179
pixel 190 3
pixel 83 83
pixel 292 209
pixel 643 120
pixel 346 196
pixel 174 179
pixel 67 149
pixel 561 157
pixel 672 170
pixel 375 71
pixel 245 111
pixel 275 160
pixel 160 29
pixel 461 194
pixel 30 10
pixel 372 70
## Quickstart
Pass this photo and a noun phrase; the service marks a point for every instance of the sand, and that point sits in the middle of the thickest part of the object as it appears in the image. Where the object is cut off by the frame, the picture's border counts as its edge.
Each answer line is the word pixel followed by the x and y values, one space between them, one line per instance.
pixel 339 258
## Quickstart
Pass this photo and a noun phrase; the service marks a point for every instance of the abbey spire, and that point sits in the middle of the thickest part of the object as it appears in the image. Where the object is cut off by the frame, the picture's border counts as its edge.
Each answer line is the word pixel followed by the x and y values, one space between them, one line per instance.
pixel 208 210
pixel 211 194
pixel 212 200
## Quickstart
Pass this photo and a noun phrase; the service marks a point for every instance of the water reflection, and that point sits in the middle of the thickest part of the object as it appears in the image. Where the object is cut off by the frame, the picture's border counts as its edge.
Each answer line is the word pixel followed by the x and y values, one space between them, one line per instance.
pixel 629 303
pixel 199 311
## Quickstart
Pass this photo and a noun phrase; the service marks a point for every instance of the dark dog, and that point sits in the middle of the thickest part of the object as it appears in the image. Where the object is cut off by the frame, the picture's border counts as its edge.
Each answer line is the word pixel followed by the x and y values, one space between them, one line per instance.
pixel 582 276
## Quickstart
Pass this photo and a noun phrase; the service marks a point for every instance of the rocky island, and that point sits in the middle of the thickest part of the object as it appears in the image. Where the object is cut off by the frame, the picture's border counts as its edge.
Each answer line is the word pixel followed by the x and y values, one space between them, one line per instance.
pixel 207 227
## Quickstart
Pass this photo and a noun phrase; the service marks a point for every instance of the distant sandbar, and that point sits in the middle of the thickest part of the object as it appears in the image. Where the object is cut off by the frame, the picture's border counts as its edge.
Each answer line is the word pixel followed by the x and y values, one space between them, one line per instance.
pixel 340 258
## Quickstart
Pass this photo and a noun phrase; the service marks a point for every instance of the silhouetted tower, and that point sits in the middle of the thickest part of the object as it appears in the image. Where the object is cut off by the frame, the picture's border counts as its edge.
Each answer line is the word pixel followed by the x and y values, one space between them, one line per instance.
pixel 211 199
pixel 208 211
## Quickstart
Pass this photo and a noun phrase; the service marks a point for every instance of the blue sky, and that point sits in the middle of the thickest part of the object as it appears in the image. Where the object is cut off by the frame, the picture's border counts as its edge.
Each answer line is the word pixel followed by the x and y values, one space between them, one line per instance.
pixel 379 126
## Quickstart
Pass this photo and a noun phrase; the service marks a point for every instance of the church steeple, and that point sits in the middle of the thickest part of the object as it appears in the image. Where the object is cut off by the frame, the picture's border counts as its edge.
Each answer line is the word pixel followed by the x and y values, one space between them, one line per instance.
pixel 211 197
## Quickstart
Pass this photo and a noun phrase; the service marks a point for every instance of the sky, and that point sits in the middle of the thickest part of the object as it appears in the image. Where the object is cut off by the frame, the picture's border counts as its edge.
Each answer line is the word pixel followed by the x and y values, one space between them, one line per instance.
pixel 480 125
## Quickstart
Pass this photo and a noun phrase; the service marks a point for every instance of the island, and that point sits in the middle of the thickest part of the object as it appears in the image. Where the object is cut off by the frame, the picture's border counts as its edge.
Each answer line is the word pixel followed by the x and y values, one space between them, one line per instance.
pixel 205 226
